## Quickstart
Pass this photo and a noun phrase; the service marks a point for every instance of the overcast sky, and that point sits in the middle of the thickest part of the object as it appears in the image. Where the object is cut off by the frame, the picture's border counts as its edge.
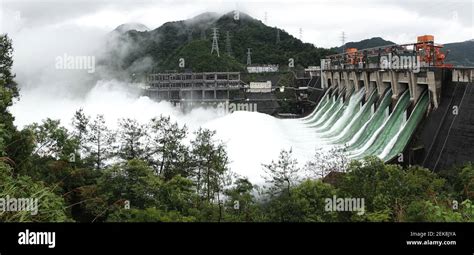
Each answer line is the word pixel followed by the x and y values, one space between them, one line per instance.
pixel 321 21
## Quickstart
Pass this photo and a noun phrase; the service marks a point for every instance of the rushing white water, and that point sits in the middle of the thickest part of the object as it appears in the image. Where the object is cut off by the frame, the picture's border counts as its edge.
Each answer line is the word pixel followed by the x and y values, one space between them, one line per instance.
pixel 113 99
pixel 251 138
pixel 394 139
pixel 326 114
pixel 347 128
pixel 255 138
pixel 357 153
pixel 350 112
pixel 340 107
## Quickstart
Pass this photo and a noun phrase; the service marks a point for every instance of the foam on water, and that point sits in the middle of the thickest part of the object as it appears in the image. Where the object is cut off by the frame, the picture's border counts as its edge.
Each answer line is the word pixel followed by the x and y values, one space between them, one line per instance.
pixel 254 139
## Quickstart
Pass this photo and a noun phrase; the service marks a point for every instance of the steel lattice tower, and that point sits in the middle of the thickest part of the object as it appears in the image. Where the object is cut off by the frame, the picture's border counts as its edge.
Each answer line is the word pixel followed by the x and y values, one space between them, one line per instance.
pixel 343 40
pixel 228 45
pixel 215 41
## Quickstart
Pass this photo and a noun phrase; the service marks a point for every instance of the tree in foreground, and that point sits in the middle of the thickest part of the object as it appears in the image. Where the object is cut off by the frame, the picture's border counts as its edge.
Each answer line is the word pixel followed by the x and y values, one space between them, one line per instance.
pixel 282 176
pixel 50 207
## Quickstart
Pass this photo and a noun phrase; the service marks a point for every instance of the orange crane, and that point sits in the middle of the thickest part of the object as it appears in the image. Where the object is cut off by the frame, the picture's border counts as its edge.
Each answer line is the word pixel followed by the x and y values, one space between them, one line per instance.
pixel 430 52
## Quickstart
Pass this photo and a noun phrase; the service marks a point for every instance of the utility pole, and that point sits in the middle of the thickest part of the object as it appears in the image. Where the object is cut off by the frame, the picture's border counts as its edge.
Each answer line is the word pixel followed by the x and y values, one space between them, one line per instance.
pixel 228 45
pixel 215 41
pixel 249 58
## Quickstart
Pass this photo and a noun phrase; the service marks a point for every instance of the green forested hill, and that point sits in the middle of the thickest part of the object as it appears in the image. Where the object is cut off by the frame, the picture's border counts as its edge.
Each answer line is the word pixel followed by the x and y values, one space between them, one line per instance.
pixel 191 39
pixel 461 53
pixel 367 43
pixel 197 55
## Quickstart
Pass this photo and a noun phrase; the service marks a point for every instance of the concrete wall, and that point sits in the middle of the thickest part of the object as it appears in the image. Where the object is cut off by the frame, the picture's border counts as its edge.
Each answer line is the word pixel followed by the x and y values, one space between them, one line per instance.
pixel 445 139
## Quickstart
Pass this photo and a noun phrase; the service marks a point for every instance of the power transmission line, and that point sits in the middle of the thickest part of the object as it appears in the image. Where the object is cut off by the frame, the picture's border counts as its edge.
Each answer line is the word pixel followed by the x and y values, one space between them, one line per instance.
pixel 215 41
pixel 343 40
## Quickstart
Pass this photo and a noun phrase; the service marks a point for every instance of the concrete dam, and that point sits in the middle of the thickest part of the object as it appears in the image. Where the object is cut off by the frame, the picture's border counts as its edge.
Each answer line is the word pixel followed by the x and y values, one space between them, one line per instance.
pixel 418 112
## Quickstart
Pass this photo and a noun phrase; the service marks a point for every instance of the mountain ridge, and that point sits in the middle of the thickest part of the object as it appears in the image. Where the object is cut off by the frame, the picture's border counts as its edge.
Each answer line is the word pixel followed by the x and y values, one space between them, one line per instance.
pixel 162 48
pixel 125 27
pixel 163 44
